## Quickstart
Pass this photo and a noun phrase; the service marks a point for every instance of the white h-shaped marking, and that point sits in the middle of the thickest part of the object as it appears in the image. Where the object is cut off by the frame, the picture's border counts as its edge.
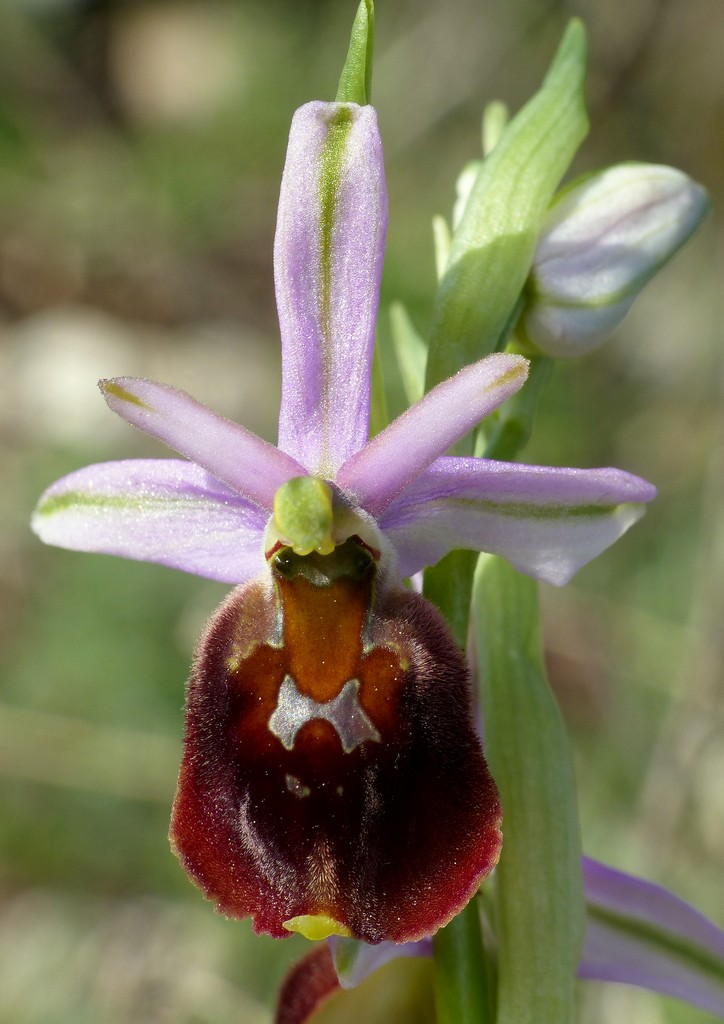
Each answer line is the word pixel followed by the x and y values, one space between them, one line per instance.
pixel 295 709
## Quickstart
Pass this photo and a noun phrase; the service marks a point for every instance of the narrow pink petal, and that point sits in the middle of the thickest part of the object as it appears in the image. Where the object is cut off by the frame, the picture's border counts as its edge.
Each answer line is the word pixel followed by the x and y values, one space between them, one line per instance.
pixel 546 522
pixel 156 510
pixel 641 934
pixel 328 261
pixel 624 896
pixel 393 459
pixel 250 466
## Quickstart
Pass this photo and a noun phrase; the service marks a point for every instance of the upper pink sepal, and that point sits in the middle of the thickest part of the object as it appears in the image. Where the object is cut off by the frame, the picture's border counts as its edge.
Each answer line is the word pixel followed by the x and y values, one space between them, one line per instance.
pixel 328 253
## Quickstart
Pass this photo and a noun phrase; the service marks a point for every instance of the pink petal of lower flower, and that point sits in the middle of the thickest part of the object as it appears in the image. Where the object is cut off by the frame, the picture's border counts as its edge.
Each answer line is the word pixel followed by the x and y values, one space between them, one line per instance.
pixel 641 934
pixel 401 993
pixel 354 960
pixel 155 510
pixel 307 987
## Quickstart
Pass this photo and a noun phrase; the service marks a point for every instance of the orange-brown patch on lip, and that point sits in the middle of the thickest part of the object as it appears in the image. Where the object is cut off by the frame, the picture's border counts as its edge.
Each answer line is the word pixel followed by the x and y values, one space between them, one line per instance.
pixel 323 633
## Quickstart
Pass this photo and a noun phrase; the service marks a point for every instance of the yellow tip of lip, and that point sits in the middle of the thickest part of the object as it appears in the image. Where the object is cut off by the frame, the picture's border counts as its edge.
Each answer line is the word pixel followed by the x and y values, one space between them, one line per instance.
pixel 316 926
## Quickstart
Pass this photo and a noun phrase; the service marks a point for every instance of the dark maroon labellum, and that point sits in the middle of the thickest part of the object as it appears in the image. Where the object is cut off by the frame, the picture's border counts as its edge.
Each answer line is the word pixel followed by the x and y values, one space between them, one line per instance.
pixel 331 768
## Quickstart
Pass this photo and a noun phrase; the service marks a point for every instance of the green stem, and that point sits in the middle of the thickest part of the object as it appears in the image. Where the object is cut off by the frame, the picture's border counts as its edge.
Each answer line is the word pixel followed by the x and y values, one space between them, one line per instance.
pixel 540 908
pixel 515 423
pixel 461 994
pixel 493 245
pixel 449 586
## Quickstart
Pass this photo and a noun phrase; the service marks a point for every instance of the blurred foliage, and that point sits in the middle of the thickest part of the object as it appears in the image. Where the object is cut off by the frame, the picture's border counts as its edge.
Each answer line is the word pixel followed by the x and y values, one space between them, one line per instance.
pixel 141 147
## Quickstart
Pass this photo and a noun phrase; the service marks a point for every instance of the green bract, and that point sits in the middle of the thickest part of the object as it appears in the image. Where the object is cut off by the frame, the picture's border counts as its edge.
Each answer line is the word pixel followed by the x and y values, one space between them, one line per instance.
pixel 355 83
pixel 492 247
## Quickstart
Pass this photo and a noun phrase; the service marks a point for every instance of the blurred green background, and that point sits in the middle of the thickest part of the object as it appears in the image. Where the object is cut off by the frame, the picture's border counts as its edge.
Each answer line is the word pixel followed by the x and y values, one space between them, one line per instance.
pixel 141 148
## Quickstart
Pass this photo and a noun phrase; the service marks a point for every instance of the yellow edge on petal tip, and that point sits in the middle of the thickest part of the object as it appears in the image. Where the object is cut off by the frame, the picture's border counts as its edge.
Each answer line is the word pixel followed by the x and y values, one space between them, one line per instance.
pixel 108 387
pixel 517 372
pixel 316 926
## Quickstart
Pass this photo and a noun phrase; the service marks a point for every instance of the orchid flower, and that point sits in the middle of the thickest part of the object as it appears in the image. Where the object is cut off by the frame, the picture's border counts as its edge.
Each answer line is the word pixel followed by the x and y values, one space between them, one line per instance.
pixel 333 780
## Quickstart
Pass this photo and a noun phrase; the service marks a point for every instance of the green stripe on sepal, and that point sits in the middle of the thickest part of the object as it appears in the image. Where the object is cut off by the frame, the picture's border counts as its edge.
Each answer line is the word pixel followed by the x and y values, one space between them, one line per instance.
pixel 71 500
pixel 77 501
pixel 527 510
pixel 330 176
pixel 493 245
pixel 540 909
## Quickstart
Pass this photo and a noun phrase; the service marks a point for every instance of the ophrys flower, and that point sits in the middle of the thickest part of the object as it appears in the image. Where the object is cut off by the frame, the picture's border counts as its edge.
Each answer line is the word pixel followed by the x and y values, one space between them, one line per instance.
pixel 333 780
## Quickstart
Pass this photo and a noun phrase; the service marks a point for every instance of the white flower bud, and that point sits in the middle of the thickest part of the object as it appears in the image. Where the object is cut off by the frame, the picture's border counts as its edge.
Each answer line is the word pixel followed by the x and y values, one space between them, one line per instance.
pixel 604 237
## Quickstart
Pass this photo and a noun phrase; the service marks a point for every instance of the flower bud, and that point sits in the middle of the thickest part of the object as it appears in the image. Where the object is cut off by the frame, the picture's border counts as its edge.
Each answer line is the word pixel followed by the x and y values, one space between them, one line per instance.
pixel 605 236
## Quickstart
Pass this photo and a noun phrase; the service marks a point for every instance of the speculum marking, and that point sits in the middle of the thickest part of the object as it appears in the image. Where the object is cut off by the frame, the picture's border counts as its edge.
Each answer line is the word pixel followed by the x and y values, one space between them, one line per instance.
pixel 343 712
